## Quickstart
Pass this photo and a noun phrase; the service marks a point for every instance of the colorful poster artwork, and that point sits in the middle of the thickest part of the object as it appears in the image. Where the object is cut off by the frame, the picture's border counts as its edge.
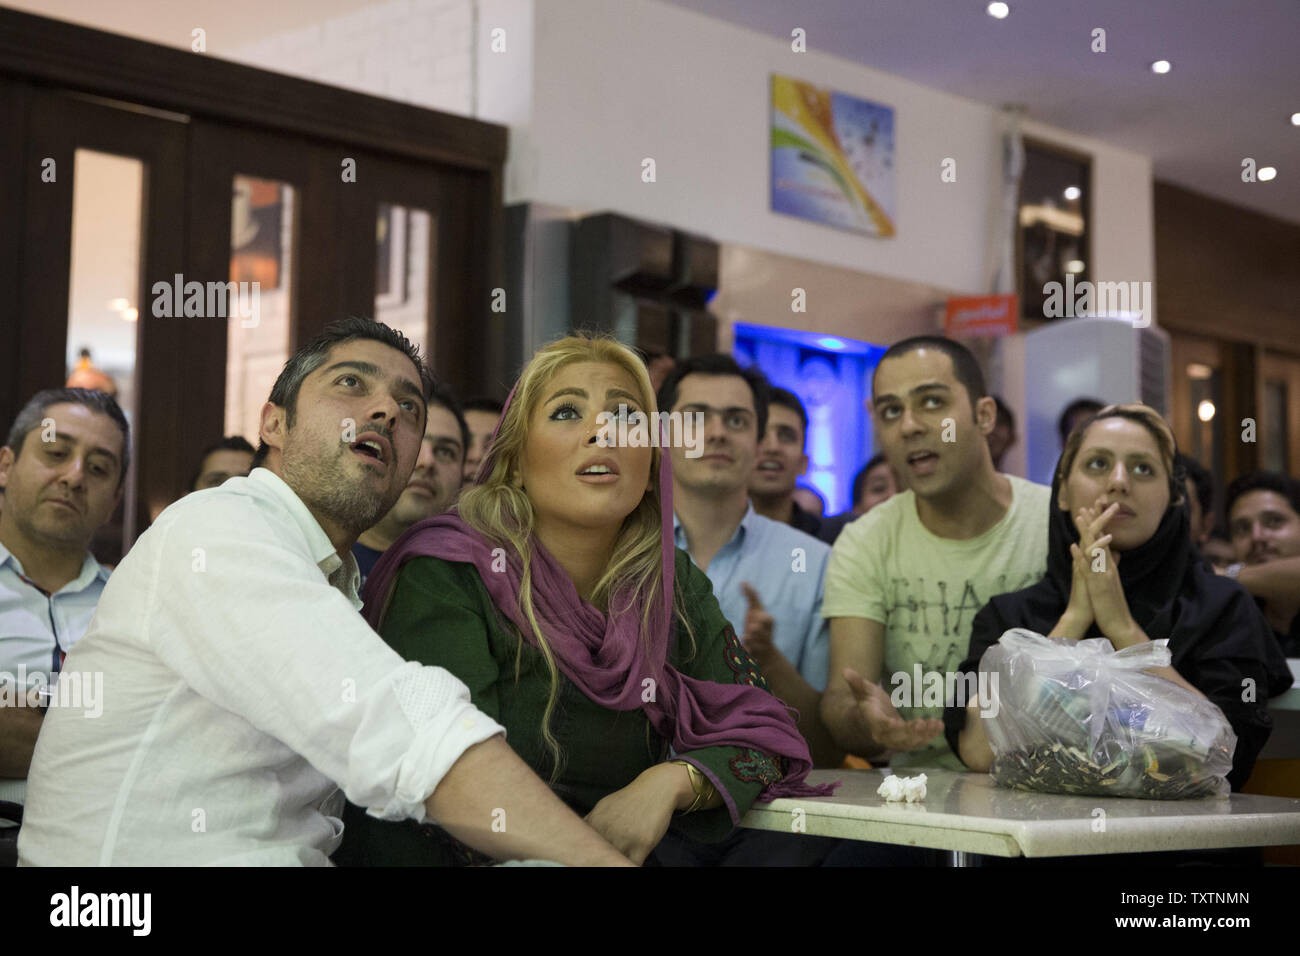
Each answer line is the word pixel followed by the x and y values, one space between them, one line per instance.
pixel 832 158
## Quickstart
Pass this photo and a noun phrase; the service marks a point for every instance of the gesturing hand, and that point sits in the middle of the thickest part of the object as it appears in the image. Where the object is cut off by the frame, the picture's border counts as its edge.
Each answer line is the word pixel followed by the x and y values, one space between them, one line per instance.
pixel 758 628
pixel 883 722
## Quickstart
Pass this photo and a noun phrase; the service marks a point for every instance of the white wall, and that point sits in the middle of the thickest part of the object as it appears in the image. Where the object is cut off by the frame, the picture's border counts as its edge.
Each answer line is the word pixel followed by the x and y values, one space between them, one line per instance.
pixel 618 82
pixel 590 88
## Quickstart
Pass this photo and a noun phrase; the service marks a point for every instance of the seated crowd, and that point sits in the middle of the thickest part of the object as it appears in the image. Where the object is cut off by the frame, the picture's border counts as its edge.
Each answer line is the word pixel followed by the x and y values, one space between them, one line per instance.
pixel 319 654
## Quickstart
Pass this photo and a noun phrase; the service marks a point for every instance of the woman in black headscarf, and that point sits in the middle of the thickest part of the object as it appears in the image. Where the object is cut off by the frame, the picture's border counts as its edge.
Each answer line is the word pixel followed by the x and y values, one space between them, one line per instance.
pixel 1121 565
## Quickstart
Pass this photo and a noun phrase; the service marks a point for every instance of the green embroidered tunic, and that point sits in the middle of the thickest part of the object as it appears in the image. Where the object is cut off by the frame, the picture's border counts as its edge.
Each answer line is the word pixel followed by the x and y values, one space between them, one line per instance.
pixel 441 614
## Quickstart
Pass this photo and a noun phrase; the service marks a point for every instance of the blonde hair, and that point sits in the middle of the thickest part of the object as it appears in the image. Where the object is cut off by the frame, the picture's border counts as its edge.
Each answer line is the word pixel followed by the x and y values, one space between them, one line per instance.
pixel 1148 418
pixel 500 509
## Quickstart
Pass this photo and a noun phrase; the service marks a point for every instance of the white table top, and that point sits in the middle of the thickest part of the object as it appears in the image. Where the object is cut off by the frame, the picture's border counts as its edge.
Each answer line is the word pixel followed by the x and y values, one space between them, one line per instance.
pixel 968 812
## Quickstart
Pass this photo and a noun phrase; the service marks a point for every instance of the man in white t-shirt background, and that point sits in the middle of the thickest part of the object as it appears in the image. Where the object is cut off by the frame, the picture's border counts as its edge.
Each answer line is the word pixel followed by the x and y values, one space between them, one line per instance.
pixel 905 582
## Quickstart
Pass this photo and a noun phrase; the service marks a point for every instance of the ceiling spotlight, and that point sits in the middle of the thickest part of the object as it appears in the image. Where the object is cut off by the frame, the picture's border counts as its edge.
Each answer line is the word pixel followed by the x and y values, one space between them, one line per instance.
pixel 1073 192
pixel 130 315
pixel 998 10
pixel 1160 66
pixel 1205 411
pixel 1266 173
pixel 1199 370
pixel 1295 119
pixel 1075 266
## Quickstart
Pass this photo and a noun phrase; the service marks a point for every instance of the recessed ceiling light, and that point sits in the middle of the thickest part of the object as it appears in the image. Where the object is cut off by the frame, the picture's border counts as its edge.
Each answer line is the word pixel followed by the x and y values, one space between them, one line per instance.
pixel 1266 173
pixel 1199 370
pixel 998 10
pixel 1073 192
pixel 1075 266
pixel 1160 66
pixel 1205 411
pixel 130 314
pixel 1295 119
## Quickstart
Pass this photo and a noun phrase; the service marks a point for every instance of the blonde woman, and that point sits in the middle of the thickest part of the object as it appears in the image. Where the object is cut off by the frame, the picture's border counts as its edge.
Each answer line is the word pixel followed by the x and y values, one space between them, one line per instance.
pixel 1117 489
pixel 555 594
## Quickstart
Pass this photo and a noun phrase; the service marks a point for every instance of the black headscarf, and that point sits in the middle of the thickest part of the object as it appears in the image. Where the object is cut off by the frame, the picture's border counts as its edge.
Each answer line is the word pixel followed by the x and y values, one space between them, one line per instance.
pixel 1217 635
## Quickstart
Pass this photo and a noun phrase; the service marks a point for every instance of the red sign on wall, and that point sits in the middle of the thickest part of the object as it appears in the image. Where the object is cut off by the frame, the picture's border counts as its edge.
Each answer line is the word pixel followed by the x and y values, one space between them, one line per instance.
pixel 981 315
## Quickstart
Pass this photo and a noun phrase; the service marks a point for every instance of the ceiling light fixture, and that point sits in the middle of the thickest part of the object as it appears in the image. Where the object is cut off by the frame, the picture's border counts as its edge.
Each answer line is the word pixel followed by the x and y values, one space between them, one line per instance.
pixel 1295 119
pixel 1266 173
pixel 998 11
pixel 1161 66
pixel 1073 192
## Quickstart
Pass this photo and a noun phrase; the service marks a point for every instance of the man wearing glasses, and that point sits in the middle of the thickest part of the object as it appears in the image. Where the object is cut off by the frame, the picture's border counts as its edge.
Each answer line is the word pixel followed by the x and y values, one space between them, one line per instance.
pixel 767 576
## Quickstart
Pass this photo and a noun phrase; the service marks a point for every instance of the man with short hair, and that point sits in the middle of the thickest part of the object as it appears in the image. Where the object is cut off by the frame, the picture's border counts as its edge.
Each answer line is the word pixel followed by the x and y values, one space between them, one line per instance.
pixel 1074 413
pixel 63 469
pixel 481 415
pixel 874 483
pixel 1263 511
pixel 230 457
pixel 782 460
pixel 434 484
pixel 1003 436
pixel 905 581
pixel 1200 498
pixel 766 575
pixel 244 694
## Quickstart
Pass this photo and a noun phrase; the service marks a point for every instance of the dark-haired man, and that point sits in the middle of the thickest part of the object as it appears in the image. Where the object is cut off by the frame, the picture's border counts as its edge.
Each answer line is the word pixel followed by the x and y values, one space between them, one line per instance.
pixel 230 457
pixel 1200 498
pixel 434 483
pixel 1074 413
pixel 244 696
pixel 1263 511
pixel 62 468
pixel 874 483
pixel 1003 436
pixel 905 581
pixel 481 415
pixel 766 575
pixel 782 459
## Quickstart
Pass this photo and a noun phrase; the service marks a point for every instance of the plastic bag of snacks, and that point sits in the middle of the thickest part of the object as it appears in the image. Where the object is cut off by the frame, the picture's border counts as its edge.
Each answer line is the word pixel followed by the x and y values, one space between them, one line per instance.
pixel 1079 717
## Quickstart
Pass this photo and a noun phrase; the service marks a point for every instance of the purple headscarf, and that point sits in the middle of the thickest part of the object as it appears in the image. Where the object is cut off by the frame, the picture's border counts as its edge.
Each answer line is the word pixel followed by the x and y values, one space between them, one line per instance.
pixel 602 653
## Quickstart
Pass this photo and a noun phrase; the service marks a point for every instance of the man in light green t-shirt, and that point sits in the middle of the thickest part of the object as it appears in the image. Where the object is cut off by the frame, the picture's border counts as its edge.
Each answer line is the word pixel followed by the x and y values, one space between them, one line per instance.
pixel 905 582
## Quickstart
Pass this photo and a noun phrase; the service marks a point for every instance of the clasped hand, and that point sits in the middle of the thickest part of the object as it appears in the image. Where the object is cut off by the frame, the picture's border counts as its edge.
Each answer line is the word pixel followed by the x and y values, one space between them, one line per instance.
pixel 1096 591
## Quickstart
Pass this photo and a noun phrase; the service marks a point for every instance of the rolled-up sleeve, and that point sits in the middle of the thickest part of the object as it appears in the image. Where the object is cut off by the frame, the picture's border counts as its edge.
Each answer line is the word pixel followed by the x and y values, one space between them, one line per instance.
pixel 255 627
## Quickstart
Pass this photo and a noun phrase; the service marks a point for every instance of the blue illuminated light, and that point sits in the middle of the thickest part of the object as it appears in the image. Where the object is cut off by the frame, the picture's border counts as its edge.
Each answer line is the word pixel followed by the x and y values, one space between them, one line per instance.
pixel 827 342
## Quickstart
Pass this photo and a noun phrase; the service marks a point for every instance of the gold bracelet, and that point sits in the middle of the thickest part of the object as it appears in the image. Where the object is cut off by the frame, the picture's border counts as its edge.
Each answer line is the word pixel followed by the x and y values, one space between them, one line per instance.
pixel 703 787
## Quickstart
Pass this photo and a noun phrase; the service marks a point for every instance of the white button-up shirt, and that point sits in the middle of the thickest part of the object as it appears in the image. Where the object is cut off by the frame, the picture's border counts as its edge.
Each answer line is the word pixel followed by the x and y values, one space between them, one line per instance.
pixel 37 629
pixel 241 690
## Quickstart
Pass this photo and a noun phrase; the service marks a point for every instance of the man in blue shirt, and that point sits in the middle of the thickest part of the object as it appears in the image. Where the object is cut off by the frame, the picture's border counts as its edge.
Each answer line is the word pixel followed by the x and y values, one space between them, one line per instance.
pixel 62 470
pixel 767 576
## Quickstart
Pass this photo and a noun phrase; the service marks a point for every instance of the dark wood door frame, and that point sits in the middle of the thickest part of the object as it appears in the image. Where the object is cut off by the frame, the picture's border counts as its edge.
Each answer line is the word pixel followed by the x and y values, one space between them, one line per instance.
pixel 233 108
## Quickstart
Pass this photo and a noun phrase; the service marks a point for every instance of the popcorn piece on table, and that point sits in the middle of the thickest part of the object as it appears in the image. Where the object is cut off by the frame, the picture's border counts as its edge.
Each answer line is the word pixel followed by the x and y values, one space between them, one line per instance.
pixel 911 789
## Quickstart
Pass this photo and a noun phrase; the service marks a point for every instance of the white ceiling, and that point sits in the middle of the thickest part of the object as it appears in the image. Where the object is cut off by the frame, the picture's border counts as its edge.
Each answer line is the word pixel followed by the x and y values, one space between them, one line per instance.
pixel 1234 85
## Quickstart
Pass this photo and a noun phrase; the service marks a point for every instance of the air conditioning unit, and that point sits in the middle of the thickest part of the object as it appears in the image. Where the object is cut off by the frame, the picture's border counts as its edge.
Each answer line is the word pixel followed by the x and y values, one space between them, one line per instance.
pixel 1109 359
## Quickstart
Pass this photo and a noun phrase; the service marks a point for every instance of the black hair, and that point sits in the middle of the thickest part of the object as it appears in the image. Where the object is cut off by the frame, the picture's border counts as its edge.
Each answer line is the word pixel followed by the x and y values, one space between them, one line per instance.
pixel 33 413
pixel 1284 485
pixel 1005 415
pixel 229 443
pixel 788 399
pixel 483 404
pixel 312 356
pixel 443 397
pixel 1201 481
pixel 718 364
pixel 1089 406
pixel 964 366
pixel 860 479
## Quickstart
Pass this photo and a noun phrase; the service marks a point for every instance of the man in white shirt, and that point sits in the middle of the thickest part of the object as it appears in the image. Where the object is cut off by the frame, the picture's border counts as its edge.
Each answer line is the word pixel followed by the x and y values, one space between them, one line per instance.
pixel 63 468
pixel 243 696
pixel 905 581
